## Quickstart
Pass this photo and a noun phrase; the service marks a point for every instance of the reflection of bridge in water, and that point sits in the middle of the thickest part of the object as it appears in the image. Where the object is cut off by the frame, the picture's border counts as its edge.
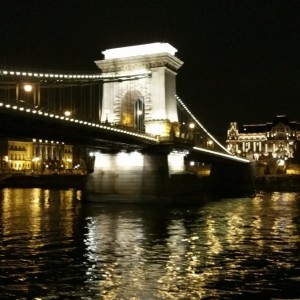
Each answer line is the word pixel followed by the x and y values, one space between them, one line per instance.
pixel 140 133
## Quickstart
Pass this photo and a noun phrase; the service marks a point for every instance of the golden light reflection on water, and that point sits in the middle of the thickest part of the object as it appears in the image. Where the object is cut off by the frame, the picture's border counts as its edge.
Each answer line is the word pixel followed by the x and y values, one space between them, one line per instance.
pixel 214 247
pixel 115 250
pixel 178 245
pixel 284 230
pixel 182 253
pixel 25 211
pixel 235 230
pixel 213 242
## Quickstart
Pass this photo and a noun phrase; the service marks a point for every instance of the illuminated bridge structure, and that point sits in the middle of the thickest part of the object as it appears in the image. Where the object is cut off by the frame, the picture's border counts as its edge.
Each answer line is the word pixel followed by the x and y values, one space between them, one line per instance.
pixel 138 136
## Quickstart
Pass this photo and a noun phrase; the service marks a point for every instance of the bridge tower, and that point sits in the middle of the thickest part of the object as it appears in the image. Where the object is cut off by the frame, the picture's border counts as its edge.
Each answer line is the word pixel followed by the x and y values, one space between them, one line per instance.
pixel 140 87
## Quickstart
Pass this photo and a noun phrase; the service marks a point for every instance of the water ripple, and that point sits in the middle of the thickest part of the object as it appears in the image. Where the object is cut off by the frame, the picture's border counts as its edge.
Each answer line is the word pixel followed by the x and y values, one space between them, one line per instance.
pixel 55 247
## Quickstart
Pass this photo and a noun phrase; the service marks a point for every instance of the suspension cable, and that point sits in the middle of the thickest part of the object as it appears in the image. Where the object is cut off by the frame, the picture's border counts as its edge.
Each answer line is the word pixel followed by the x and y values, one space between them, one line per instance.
pixel 200 125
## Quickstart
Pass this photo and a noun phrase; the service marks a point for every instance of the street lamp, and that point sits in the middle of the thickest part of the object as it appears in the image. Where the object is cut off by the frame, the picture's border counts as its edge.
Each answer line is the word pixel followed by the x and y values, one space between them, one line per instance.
pixel 191 126
pixel 67 113
pixel 27 88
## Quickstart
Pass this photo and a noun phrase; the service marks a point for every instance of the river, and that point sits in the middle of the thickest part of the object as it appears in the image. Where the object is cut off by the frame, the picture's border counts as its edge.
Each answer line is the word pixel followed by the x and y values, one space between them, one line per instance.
pixel 56 246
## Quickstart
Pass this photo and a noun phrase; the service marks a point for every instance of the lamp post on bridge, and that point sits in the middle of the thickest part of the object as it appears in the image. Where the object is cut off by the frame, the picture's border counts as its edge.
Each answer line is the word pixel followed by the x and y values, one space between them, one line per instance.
pixel 27 88
pixel 67 113
pixel 28 92
pixel 191 126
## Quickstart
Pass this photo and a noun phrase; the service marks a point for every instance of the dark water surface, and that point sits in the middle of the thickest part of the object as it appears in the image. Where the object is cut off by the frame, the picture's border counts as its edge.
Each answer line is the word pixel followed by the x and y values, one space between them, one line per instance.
pixel 55 246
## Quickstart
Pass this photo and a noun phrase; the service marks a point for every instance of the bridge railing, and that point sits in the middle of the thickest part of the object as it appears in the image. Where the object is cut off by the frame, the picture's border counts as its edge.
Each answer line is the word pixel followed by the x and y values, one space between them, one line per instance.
pixel 58 118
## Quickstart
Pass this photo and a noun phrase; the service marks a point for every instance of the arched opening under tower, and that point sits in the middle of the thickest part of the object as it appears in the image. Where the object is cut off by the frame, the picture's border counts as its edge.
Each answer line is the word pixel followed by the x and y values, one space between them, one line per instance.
pixel 133 110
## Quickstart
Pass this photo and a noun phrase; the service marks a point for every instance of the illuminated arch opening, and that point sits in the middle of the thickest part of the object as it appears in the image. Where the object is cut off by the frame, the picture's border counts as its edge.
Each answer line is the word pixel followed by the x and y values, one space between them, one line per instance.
pixel 133 110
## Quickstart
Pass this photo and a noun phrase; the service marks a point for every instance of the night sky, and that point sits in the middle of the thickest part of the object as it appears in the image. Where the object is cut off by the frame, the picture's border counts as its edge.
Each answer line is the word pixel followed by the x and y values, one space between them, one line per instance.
pixel 241 58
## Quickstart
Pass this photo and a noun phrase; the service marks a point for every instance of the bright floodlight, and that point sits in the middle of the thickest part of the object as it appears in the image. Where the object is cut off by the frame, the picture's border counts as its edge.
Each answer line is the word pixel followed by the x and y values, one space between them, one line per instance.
pixel 27 87
pixel 145 49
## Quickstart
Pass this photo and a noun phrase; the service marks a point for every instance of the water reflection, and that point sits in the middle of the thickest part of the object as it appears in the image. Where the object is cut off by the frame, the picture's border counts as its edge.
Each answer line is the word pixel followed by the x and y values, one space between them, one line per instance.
pixel 35 205
pixel 201 250
pixel 35 229
pixel 53 245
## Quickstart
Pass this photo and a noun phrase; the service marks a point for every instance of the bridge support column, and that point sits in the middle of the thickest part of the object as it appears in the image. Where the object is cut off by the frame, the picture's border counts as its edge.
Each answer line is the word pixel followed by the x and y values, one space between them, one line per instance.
pixel 129 178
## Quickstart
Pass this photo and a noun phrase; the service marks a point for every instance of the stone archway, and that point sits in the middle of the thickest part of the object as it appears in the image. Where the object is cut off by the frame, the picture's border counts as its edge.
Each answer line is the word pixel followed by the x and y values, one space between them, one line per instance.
pixel 133 110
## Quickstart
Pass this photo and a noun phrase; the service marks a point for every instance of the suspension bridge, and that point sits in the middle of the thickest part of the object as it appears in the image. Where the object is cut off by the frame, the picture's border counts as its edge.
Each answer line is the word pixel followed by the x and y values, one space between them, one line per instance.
pixel 128 116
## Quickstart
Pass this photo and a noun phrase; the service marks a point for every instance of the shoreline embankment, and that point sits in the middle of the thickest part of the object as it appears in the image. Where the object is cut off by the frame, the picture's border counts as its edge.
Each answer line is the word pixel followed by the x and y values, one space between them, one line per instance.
pixel 278 183
pixel 274 182
pixel 51 181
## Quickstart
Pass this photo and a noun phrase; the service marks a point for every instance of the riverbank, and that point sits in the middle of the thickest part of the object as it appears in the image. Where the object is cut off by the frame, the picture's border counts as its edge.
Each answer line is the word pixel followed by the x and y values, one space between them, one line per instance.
pixel 54 181
pixel 278 183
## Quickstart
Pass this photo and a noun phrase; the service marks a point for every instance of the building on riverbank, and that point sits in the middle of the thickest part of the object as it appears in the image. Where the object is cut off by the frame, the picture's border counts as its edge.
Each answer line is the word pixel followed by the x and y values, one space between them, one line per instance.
pixel 274 146
pixel 35 156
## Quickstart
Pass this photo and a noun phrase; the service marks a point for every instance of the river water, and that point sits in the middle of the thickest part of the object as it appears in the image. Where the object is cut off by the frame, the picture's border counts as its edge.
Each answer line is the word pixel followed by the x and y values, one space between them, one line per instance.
pixel 56 246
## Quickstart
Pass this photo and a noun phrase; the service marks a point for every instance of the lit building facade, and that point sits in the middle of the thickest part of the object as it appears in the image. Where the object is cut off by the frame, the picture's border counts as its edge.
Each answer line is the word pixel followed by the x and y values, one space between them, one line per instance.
pixel 51 156
pixel 15 155
pixel 273 143
pixel 39 156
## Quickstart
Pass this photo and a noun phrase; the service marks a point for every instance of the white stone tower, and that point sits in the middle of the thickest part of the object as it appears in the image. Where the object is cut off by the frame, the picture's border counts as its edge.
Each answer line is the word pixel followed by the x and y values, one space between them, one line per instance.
pixel 140 88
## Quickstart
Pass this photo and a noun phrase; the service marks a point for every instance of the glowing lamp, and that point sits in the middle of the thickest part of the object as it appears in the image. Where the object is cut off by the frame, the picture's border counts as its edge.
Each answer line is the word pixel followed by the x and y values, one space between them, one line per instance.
pixel 27 88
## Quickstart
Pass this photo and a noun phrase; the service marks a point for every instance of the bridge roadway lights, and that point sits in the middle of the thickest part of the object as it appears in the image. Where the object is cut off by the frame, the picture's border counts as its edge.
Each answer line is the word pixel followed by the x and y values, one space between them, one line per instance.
pixel 32 123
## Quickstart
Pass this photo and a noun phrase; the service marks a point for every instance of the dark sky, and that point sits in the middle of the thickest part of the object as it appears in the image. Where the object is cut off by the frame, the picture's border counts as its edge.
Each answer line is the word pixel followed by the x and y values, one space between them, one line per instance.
pixel 241 58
